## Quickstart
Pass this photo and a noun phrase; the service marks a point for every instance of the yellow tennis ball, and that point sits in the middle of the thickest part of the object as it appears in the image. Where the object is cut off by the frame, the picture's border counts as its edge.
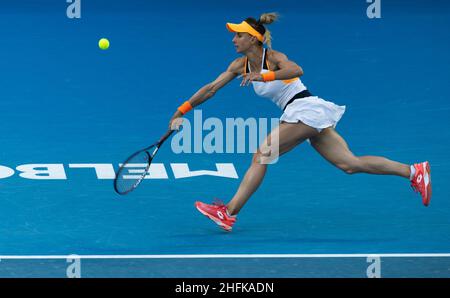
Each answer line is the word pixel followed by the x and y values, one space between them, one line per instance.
pixel 103 44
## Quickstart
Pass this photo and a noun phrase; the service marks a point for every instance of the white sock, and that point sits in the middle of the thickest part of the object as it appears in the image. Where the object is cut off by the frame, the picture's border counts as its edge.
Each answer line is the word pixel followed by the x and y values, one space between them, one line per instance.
pixel 413 172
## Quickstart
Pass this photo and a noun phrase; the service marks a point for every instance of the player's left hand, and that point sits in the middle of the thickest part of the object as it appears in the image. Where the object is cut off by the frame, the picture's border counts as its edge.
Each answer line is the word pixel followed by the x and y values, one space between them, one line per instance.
pixel 249 77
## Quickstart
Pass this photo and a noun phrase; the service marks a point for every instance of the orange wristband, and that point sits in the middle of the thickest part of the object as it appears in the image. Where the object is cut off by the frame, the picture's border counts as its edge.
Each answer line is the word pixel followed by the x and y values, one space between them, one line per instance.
pixel 268 76
pixel 185 107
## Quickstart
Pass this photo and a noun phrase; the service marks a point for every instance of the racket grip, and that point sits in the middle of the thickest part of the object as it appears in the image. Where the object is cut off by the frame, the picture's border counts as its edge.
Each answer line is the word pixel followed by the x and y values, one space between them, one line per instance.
pixel 164 137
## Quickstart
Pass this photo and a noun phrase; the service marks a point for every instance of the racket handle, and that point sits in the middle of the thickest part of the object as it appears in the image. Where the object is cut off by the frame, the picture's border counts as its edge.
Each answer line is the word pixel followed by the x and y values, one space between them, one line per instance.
pixel 164 137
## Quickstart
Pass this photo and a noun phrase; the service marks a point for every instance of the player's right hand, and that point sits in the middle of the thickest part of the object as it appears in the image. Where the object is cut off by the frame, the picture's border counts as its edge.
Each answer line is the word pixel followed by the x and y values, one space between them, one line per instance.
pixel 175 123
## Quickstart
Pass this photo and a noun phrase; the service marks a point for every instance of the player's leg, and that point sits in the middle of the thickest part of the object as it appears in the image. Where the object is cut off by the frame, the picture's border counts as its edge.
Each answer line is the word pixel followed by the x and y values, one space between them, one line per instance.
pixel 288 135
pixel 282 139
pixel 334 149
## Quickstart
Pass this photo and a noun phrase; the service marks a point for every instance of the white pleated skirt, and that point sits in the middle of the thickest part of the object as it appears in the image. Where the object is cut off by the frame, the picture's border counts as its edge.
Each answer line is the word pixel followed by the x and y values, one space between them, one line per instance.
pixel 313 111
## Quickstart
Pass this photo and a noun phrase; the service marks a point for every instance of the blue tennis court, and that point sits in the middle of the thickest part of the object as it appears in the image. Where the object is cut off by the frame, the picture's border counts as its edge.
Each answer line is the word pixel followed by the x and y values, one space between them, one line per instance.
pixel 71 113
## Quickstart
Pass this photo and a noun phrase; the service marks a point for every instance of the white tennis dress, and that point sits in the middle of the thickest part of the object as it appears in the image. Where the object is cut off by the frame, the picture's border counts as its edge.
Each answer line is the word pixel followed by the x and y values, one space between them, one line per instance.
pixel 310 110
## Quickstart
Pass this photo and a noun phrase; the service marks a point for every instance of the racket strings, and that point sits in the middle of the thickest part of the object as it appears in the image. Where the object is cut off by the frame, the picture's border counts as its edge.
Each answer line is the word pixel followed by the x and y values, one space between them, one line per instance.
pixel 132 172
pixel 136 167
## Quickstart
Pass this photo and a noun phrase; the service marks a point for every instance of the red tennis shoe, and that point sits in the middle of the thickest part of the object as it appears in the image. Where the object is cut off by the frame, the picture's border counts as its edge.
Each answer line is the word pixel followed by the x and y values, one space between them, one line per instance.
pixel 421 181
pixel 217 212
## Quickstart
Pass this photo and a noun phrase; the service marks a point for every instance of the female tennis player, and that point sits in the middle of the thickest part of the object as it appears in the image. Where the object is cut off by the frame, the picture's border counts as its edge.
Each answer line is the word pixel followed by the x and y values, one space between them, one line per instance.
pixel 304 117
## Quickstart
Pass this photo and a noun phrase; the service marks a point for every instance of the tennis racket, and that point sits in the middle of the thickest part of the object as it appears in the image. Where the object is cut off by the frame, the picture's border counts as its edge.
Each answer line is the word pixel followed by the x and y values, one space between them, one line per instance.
pixel 125 182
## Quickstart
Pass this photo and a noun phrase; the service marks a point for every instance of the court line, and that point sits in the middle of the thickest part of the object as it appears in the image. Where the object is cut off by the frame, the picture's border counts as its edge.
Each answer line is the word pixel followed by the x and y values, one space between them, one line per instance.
pixel 223 256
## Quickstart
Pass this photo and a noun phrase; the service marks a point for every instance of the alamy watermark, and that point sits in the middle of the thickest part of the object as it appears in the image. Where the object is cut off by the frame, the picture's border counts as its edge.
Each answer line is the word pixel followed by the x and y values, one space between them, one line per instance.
pixel 74 9
pixel 374 9
pixel 74 268
pixel 234 135
pixel 374 269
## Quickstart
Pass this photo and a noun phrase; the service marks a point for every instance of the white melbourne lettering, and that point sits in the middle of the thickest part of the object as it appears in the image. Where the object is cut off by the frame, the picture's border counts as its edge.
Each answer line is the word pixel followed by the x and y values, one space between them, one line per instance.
pixel 104 171
pixel 181 170
pixel 42 171
pixel 6 172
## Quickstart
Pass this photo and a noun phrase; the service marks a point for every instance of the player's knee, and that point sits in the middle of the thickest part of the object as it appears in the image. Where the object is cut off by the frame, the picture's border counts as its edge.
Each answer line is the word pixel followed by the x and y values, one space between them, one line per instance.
pixel 261 156
pixel 351 167
pixel 256 157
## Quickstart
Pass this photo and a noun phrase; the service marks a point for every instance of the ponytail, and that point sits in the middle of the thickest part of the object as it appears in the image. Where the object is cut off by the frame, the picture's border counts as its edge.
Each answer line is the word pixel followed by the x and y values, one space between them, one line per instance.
pixel 266 19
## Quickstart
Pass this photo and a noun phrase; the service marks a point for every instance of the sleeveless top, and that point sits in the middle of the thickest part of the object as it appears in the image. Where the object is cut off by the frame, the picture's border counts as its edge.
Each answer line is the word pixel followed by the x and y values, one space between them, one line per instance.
pixel 278 91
